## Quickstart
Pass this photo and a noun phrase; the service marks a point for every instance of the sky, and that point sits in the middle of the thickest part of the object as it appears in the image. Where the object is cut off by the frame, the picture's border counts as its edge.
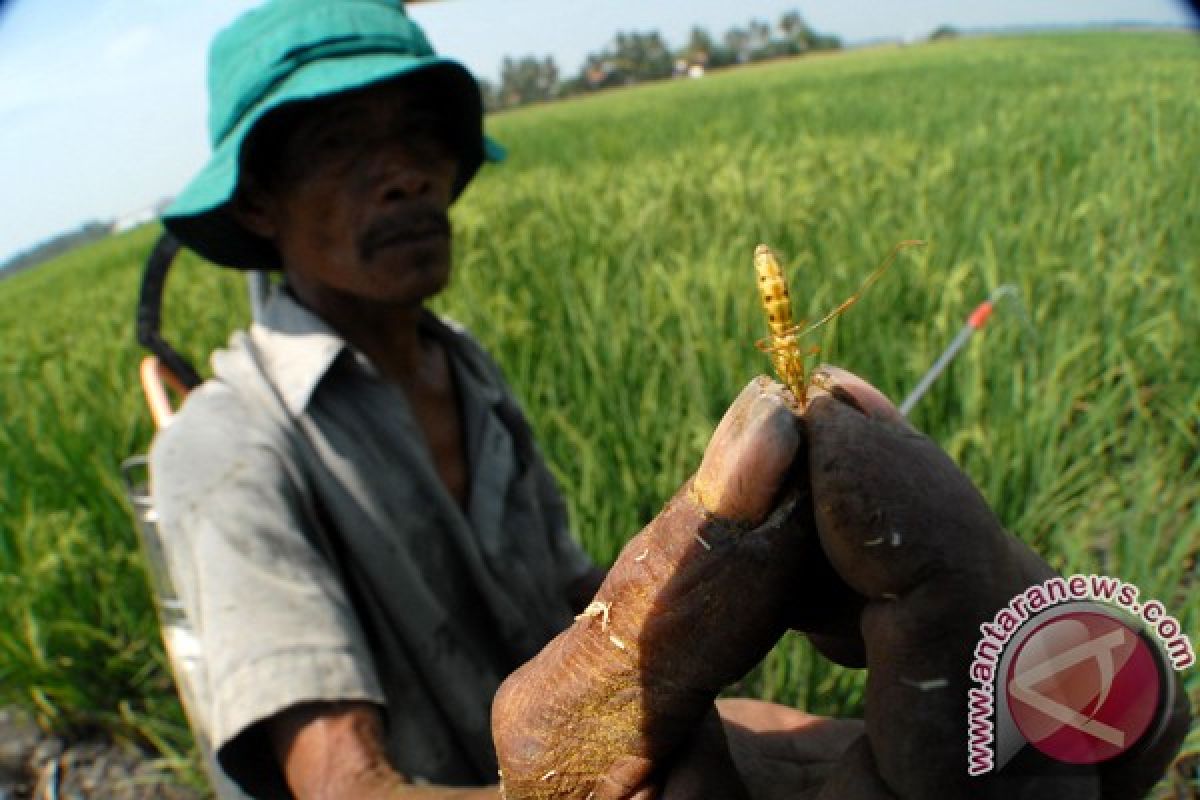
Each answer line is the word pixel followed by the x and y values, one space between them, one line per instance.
pixel 102 102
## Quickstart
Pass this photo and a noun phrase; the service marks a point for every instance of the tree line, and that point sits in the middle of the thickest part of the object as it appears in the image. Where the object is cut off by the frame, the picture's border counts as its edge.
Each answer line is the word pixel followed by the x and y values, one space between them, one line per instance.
pixel 55 246
pixel 635 57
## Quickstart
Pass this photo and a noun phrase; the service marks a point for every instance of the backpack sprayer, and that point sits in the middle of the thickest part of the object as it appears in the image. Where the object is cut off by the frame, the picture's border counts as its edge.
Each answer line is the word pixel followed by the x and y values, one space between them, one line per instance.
pixel 166 369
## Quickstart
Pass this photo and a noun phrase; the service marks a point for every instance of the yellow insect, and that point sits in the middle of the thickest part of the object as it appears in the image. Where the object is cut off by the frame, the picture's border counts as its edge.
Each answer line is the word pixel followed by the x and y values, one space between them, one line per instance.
pixel 783 345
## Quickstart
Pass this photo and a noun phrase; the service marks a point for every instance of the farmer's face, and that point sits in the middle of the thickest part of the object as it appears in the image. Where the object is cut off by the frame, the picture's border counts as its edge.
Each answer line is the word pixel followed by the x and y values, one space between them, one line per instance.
pixel 355 197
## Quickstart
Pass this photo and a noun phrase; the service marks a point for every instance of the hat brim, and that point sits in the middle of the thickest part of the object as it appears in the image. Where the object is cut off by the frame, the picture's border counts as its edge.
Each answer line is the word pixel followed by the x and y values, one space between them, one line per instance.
pixel 200 216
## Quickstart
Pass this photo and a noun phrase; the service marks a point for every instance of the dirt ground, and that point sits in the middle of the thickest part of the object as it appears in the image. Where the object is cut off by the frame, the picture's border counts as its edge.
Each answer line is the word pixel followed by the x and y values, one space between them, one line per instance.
pixel 35 766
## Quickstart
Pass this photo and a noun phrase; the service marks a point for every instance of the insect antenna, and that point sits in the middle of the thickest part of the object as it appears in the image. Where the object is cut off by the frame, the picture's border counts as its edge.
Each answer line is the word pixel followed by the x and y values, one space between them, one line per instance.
pixel 867 284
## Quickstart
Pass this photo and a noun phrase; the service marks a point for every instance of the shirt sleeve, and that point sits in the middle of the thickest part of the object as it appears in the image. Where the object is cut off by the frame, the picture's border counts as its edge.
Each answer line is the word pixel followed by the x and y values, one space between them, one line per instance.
pixel 272 617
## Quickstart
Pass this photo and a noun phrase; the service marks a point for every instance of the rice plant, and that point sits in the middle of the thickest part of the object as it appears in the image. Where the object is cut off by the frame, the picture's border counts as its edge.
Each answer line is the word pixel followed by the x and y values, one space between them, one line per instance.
pixel 608 267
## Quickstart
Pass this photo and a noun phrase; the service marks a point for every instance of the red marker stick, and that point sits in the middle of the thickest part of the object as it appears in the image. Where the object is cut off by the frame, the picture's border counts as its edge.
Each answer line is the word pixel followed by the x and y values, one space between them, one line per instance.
pixel 977 319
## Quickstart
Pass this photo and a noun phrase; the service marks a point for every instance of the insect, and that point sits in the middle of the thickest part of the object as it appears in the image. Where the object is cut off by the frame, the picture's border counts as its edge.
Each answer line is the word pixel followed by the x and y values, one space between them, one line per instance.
pixel 783 344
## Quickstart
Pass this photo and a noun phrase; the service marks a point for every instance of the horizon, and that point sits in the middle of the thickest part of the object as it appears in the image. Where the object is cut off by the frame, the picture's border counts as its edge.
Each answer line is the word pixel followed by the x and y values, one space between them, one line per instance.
pixel 100 60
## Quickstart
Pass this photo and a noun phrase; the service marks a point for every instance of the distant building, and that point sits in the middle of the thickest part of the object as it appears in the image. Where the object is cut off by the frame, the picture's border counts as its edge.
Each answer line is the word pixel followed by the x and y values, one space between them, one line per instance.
pixel 691 67
pixel 130 221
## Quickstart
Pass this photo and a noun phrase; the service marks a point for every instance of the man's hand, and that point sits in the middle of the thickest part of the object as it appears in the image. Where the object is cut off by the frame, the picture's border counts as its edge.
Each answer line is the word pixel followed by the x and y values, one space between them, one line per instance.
pixel 908 533
pixel 335 751
pixel 621 703
pixel 782 753
pixel 875 543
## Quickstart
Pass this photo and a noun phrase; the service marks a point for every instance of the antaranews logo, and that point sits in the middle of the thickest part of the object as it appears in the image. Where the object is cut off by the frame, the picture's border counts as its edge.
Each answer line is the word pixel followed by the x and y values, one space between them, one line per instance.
pixel 1069 667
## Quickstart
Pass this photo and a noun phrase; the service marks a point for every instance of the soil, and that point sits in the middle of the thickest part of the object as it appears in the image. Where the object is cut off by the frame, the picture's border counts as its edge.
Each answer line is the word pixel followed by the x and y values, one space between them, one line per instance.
pixel 39 766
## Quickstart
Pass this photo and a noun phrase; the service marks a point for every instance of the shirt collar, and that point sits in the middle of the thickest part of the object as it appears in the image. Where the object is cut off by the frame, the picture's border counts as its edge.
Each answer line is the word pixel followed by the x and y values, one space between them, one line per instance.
pixel 300 349
pixel 467 359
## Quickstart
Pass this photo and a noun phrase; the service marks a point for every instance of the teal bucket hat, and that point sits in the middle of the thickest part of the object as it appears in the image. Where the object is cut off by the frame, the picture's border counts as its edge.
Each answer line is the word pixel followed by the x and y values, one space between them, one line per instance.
pixel 290 51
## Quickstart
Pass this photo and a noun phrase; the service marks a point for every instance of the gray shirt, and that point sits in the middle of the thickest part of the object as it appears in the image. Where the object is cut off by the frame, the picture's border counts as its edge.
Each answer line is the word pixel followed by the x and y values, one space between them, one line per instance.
pixel 320 557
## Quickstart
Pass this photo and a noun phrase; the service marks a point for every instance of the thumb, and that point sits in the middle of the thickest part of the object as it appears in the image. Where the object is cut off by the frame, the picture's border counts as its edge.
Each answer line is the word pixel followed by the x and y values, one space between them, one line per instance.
pixel 907 530
pixel 890 505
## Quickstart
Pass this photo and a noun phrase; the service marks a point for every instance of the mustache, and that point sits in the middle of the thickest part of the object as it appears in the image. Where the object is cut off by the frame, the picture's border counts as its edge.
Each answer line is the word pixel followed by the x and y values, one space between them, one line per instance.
pixel 413 223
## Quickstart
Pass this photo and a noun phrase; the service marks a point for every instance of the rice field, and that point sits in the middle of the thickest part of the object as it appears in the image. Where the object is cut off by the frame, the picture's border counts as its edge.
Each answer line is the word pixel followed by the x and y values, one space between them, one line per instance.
pixel 607 266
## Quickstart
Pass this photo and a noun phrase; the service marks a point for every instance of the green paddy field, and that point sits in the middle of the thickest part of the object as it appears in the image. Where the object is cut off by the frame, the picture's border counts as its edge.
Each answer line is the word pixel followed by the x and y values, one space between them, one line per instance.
pixel 608 267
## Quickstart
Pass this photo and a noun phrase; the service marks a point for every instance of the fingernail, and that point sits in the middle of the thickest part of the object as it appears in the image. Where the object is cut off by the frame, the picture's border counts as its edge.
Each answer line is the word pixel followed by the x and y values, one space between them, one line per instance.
pixel 748 455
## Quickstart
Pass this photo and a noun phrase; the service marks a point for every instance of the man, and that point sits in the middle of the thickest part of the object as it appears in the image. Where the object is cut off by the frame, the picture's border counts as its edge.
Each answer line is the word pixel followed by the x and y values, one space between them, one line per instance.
pixel 359 516
pixel 361 527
